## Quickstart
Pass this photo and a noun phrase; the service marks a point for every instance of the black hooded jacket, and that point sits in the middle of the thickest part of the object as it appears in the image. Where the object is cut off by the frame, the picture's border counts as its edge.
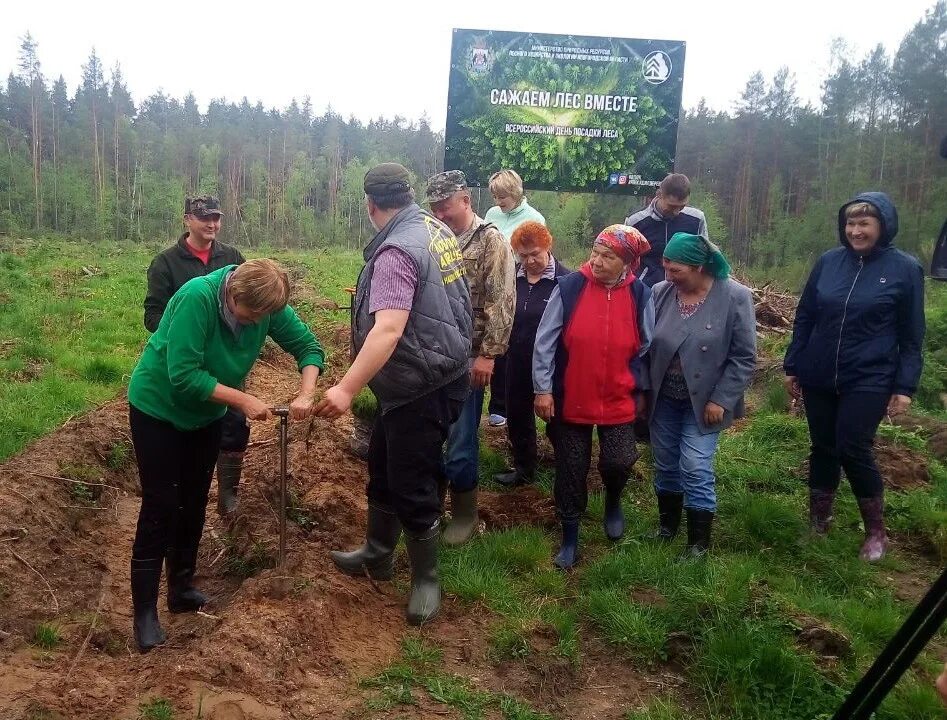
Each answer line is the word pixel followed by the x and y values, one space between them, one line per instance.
pixel 860 322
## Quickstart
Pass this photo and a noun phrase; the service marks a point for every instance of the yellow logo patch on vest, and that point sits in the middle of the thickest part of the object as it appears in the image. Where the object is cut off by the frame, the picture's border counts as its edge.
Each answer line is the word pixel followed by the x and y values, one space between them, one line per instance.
pixel 445 251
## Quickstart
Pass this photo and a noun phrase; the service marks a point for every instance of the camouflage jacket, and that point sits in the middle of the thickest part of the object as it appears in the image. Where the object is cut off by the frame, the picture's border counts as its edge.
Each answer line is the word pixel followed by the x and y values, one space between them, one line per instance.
pixel 488 262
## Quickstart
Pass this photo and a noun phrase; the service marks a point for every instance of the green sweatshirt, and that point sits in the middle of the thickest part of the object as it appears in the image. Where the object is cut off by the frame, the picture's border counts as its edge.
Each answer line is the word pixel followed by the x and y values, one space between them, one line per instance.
pixel 193 349
pixel 508 222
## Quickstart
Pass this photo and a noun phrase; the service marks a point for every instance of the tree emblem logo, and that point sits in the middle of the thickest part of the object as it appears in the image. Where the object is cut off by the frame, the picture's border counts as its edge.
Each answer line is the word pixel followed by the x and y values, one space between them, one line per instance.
pixel 656 67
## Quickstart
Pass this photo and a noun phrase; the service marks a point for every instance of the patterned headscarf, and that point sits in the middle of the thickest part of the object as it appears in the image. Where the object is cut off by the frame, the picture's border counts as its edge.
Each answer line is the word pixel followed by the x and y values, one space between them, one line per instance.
pixel 626 242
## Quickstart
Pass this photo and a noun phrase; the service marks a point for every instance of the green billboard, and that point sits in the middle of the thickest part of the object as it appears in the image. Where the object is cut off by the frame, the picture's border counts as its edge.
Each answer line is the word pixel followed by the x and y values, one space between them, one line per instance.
pixel 567 112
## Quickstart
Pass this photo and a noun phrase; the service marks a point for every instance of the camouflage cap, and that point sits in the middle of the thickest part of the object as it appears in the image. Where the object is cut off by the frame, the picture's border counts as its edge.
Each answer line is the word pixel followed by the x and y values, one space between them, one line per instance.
pixel 444 184
pixel 202 205
pixel 387 179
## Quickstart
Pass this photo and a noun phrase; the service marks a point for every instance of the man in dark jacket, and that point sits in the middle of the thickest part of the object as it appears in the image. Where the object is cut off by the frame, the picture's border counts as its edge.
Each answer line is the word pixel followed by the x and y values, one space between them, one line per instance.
pixel 667 214
pixel 855 356
pixel 196 253
pixel 411 336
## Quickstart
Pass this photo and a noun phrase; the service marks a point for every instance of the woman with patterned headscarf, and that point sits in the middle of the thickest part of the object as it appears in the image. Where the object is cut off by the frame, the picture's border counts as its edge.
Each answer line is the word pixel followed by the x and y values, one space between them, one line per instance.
pixel 588 372
pixel 701 361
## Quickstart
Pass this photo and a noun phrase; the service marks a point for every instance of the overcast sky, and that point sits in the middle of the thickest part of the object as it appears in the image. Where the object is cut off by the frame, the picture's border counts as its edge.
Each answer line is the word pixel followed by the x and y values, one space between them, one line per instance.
pixel 372 58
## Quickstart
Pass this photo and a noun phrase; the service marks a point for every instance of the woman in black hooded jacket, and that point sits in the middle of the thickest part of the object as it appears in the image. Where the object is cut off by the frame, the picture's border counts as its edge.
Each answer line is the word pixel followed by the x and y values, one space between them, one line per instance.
pixel 855 357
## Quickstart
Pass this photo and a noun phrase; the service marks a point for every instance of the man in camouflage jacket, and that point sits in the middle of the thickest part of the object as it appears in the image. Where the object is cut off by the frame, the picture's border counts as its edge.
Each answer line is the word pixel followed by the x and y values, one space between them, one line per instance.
pixel 489 264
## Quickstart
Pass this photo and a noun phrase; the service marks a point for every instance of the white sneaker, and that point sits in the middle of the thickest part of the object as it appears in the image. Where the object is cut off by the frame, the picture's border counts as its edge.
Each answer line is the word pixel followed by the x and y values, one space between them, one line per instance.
pixel 496 421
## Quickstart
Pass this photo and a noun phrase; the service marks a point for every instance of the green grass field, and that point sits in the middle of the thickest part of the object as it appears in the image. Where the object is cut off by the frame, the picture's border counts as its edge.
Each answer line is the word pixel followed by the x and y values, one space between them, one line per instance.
pixel 735 626
pixel 71 324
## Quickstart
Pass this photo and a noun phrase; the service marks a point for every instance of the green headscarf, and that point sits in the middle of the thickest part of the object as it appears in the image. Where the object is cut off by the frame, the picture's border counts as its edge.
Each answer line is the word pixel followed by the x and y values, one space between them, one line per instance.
pixel 694 250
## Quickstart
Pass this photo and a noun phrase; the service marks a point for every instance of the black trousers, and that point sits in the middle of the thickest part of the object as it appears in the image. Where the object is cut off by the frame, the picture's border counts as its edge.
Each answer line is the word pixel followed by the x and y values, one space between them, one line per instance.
pixel 617 455
pixel 842 429
pixel 405 456
pixel 235 432
pixel 497 404
pixel 520 416
pixel 175 469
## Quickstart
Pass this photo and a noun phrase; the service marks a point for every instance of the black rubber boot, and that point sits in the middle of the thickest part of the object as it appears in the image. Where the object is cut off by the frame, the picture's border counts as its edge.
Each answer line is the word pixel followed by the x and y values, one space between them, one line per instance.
pixel 425 600
pixel 699 524
pixel 377 555
pixel 183 597
pixel 515 478
pixel 670 506
pixel 229 468
pixel 145 579
pixel 614 520
pixel 569 550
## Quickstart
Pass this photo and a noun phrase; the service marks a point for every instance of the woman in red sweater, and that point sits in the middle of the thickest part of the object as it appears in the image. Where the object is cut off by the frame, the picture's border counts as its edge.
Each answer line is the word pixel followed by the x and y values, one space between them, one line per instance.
pixel 588 371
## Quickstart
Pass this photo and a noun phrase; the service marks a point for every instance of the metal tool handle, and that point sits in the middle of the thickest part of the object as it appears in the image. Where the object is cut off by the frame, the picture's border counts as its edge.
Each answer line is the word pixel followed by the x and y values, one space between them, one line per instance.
pixel 922 624
pixel 283 414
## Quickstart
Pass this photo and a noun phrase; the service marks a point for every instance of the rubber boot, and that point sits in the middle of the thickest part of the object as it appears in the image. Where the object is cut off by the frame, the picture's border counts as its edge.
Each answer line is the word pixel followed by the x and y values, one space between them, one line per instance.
pixel 876 539
pixel 614 520
pixel 515 478
pixel 377 556
pixel 145 579
pixel 183 597
pixel 699 524
pixel 229 468
pixel 425 600
pixel 820 510
pixel 670 506
pixel 569 551
pixel 464 518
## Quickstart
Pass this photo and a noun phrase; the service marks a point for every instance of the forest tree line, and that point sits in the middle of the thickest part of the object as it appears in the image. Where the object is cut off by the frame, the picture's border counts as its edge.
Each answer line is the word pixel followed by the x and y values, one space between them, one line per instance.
pixel 770 173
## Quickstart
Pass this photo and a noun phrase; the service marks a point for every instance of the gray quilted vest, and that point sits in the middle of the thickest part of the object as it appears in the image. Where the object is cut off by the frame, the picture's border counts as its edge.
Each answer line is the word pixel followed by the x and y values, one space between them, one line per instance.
pixel 435 346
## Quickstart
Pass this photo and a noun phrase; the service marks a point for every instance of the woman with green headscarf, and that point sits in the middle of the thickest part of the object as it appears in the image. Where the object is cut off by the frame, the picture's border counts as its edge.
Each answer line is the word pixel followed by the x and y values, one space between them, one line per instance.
pixel 700 363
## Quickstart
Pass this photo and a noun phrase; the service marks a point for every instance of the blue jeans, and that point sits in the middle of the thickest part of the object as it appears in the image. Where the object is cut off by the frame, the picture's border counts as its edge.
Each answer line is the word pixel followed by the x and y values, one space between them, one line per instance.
pixel 683 457
pixel 462 451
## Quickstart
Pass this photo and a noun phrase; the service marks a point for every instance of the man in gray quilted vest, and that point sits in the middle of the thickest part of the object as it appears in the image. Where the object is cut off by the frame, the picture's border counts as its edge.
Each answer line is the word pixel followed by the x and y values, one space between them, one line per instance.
pixel 411 336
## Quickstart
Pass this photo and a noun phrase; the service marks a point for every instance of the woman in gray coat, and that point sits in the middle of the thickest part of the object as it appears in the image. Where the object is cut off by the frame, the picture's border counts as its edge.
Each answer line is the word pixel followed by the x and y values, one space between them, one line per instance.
pixel 700 363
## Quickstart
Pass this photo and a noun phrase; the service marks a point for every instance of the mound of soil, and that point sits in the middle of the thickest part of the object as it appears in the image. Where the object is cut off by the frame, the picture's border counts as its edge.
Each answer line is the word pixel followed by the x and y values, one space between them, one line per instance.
pixel 903 469
pixel 273 644
pixel 934 430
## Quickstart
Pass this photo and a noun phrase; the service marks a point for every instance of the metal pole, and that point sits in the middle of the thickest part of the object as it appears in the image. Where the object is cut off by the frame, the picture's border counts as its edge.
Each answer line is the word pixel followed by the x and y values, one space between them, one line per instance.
pixel 899 653
pixel 283 414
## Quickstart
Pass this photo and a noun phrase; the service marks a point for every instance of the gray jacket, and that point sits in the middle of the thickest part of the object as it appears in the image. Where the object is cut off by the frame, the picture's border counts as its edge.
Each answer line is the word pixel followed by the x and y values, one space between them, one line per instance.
pixel 717 347
pixel 435 346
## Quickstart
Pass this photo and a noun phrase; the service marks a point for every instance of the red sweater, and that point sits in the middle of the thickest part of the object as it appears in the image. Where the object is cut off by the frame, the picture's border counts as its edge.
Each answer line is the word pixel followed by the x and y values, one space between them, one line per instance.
pixel 601 341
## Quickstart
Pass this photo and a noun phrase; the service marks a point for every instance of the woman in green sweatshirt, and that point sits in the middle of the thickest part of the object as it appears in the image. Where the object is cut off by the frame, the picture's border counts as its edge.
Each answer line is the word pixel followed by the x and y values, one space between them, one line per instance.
pixel 208 339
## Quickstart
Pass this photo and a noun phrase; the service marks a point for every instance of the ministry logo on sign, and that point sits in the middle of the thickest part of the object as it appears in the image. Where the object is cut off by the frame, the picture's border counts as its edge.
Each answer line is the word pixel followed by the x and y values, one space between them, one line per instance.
pixel 656 67
pixel 479 60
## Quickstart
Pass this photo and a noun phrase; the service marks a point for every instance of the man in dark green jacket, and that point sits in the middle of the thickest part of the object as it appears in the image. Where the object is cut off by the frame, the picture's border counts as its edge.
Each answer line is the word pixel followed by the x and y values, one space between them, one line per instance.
pixel 197 253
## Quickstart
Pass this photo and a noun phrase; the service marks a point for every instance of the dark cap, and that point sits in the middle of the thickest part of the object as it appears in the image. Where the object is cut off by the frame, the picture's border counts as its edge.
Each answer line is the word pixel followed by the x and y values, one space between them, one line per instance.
pixel 444 184
pixel 387 179
pixel 202 206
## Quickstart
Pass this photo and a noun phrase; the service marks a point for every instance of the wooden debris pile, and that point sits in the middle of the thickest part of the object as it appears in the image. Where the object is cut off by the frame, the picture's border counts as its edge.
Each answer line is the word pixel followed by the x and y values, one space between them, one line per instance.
pixel 774 309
